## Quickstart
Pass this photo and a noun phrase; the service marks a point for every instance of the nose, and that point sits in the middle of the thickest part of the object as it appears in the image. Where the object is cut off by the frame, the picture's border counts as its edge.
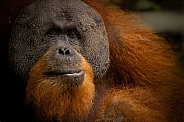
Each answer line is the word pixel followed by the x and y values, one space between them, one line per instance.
pixel 64 50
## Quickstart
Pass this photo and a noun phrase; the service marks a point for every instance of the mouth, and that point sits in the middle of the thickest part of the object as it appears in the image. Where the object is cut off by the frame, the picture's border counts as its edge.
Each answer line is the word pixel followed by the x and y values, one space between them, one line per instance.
pixel 74 78
pixel 66 73
pixel 77 74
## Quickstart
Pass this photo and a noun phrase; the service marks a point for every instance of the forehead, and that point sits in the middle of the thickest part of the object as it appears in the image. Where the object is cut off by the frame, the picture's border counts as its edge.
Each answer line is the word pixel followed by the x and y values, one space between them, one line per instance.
pixel 63 10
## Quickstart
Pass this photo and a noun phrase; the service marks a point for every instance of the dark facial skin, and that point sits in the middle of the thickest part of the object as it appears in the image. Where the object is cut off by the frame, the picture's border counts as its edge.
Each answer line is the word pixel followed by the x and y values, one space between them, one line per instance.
pixel 63 27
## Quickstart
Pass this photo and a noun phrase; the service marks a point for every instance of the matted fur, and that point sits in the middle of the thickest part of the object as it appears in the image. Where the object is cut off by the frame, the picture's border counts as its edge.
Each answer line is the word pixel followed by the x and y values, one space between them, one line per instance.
pixel 144 72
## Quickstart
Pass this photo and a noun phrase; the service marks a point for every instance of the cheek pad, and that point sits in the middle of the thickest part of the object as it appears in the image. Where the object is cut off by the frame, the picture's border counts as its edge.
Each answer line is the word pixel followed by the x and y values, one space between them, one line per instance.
pixel 28 42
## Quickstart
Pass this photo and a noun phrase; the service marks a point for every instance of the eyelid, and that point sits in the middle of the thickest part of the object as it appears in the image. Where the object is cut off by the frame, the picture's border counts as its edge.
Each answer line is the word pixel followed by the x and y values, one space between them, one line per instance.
pixel 53 31
pixel 58 29
pixel 71 27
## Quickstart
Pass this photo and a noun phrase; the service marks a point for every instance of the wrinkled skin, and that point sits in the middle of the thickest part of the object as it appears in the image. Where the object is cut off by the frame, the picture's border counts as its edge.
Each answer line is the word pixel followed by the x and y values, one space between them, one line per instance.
pixel 50 26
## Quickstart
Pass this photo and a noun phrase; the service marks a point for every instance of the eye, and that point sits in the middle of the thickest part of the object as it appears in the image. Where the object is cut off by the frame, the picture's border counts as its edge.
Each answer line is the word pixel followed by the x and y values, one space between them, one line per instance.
pixel 72 34
pixel 53 32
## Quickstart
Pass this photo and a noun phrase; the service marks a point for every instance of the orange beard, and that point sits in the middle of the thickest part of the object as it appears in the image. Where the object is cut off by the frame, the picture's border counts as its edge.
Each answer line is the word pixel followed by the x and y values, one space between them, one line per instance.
pixel 54 100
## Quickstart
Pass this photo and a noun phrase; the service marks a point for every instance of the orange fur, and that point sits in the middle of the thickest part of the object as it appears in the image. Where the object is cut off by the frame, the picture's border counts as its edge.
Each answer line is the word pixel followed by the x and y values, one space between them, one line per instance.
pixel 144 82
pixel 143 73
pixel 53 99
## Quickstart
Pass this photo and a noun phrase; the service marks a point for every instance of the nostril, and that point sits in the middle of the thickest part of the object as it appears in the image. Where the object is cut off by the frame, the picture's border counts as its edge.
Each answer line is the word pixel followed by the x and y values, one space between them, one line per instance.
pixel 61 52
pixel 67 51
pixel 64 51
